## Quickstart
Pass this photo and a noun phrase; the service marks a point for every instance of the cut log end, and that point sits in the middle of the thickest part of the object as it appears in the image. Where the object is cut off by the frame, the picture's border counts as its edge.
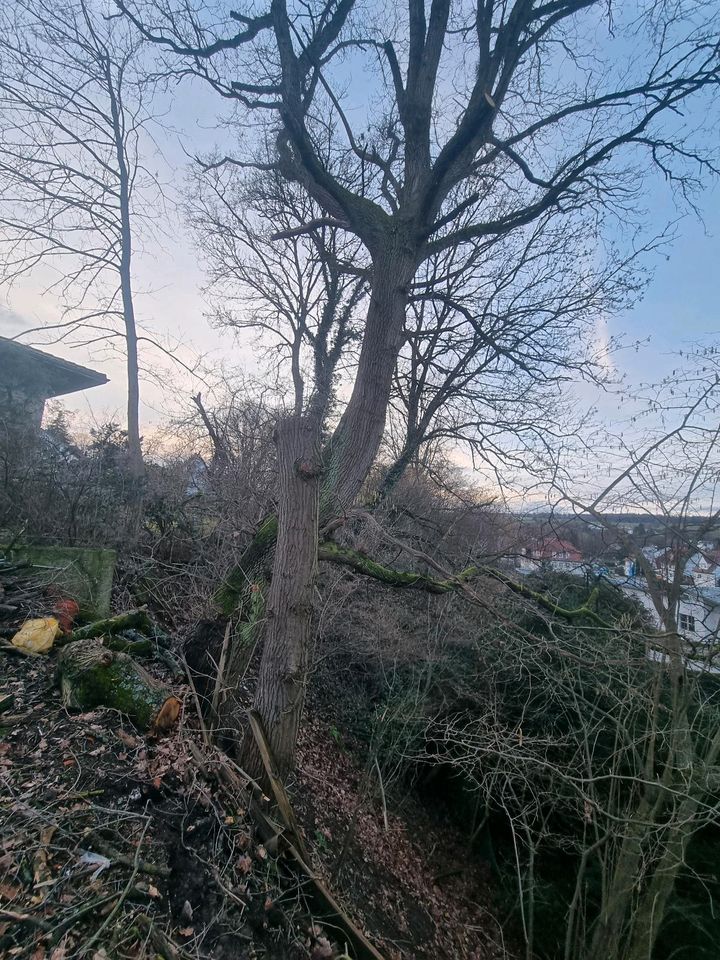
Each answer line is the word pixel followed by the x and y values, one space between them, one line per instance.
pixel 168 714
pixel 91 675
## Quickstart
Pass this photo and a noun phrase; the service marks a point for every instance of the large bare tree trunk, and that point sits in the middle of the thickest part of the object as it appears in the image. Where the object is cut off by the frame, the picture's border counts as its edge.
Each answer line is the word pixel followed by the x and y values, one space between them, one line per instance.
pixel 135 456
pixel 136 464
pixel 283 669
pixel 355 443
pixel 302 505
pixel 357 438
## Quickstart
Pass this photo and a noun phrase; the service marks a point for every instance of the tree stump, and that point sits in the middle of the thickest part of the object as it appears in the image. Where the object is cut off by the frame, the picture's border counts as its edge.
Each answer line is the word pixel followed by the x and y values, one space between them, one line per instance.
pixel 92 676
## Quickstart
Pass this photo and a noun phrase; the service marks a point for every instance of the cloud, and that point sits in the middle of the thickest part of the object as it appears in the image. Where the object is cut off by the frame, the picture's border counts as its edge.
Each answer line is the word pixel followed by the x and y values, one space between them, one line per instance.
pixel 11 323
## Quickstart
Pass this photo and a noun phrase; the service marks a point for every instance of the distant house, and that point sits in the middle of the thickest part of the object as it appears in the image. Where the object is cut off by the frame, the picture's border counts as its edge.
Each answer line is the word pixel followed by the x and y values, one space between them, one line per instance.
pixel 699 614
pixel 704 567
pixel 698 619
pixel 701 569
pixel 664 562
pixel 651 552
pixel 29 377
pixel 698 611
pixel 551 553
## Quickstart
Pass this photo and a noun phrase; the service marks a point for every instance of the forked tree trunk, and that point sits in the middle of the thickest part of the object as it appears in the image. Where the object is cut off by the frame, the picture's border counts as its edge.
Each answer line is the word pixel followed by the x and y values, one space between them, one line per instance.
pixel 359 433
pixel 283 668
pixel 351 452
pixel 303 503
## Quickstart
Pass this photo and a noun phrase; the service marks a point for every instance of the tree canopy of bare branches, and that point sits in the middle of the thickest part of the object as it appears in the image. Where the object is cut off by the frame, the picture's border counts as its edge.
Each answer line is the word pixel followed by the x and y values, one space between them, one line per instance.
pixel 477 120
pixel 74 138
pixel 300 294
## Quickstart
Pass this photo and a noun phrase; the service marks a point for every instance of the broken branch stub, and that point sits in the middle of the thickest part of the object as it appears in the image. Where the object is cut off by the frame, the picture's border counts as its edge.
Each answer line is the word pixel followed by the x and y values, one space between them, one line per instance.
pixel 92 676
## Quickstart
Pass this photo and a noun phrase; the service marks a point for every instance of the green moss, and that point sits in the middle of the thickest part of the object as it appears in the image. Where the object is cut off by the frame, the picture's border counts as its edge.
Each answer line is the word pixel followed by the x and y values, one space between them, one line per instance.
pixel 334 553
pixel 82 573
pixel 91 676
pixel 586 613
pixel 135 620
pixel 254 564
pixel 135 648
pixel 255 616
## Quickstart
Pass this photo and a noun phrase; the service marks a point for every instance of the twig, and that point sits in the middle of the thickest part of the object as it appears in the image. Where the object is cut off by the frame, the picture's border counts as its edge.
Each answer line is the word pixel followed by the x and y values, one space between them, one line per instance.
pixel 143 866
pixel 164 946
pixel 24 918
pixel 382 795
pixel 276 784
pixel 126 890
pixel 82 795
pixel 203 727
pixel 220 678
pixel 69 921
pixel 18 536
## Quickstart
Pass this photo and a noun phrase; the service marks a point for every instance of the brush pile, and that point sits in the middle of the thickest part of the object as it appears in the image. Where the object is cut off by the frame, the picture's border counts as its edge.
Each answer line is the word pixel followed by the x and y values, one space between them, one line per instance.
pixel 117 844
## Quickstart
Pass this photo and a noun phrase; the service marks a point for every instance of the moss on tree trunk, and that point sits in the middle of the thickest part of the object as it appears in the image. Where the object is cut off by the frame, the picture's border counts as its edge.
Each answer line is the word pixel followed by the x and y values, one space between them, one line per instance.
pixel 91 676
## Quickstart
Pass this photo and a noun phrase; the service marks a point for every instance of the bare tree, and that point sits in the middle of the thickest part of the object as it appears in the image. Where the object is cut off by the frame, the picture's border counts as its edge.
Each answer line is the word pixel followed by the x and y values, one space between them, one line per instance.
pixel 665 466
pixel 300 294
pixel 494 336
pixel 73 129
pixel 473 129
pixel 589 729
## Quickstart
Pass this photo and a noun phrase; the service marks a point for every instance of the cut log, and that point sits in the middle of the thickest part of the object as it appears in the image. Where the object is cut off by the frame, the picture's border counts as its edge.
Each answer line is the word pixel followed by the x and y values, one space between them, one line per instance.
pixel 92 676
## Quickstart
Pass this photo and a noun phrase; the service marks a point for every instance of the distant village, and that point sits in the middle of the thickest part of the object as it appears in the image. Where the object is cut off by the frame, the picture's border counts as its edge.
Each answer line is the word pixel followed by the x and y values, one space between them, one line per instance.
pixel 699 587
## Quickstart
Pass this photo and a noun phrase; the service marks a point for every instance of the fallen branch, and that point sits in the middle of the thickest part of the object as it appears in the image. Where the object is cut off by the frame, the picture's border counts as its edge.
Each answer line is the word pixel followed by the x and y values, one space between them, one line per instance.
pixel 107 850
pixel 123 896
pixel 130 620
pixel 167 948
pixel 585 612
pixel 275 835
pixel 220 678
pixel 281 798
pixel 25 918
pixel 334 553
pixel 322 895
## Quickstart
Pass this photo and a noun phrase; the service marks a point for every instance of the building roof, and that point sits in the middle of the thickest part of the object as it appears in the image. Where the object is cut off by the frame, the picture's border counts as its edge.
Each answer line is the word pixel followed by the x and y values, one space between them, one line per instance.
pixel 42 375
pixel 548 548
pixel 709 596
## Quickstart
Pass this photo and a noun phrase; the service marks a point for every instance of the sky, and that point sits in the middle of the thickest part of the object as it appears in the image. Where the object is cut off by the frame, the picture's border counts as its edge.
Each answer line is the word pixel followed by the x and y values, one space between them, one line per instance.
pixel 680 305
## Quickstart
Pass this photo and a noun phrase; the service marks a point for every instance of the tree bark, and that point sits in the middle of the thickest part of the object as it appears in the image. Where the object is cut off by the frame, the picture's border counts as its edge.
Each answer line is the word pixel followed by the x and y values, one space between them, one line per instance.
pixel 91 676
pixel 359 433
pixel 303 505
pixel 135 457
pixel 283 669
pixel 352 450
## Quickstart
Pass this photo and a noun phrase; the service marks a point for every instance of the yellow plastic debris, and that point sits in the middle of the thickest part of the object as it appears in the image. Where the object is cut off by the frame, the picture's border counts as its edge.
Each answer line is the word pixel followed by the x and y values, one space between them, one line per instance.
pixel 37 636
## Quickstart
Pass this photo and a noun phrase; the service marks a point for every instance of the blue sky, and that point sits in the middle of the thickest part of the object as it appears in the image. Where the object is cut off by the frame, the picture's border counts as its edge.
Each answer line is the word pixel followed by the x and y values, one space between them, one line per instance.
pixel 683 301
pixel 680 305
